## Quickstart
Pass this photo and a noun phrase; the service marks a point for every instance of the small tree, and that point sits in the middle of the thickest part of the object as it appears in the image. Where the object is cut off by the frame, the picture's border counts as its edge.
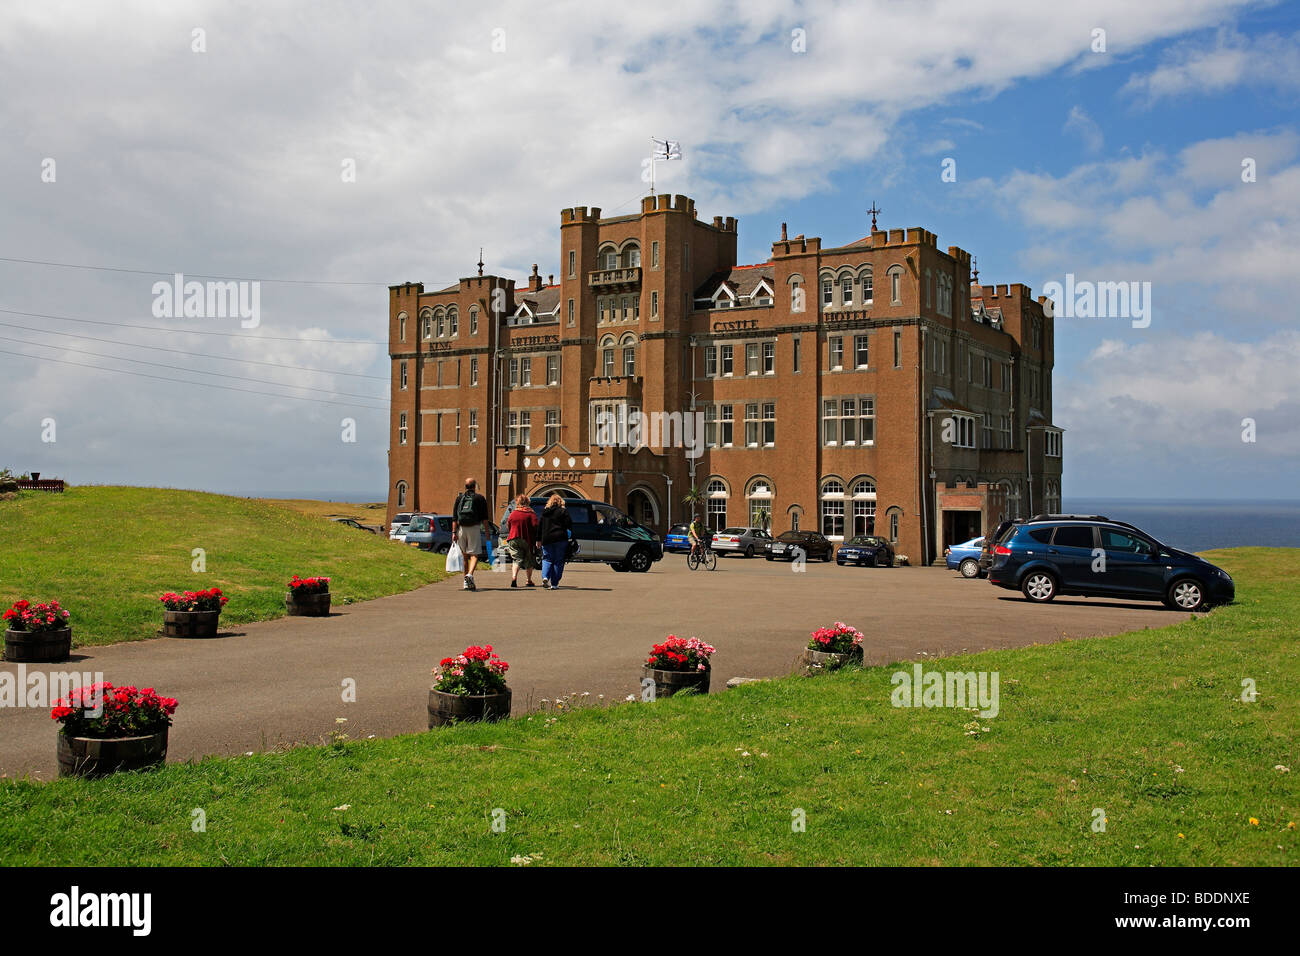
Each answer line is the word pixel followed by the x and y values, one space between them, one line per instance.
pixel 692 500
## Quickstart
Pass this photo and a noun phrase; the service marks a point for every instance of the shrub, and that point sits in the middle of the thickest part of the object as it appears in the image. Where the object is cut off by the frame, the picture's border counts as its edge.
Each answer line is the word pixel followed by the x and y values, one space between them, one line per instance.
pixel 102 710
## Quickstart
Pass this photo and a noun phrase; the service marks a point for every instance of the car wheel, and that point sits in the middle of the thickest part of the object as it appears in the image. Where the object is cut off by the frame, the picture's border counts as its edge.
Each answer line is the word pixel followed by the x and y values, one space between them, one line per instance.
pixel 969 568
pixel 1039 586
pixel 618 565
pixel 1186 594
pixel 749 552
pixel 882 561
pixel 639 561
pixel 769 557
pixel 443 548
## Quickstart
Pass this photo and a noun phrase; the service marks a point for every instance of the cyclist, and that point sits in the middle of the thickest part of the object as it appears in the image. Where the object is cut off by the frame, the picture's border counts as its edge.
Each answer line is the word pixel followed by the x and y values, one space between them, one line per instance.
pixel 699 537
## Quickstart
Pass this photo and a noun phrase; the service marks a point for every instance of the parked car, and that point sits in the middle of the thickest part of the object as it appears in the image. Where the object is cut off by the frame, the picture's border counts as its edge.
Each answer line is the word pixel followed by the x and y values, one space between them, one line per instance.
pixel 399 519
pixel 866 550
pixel 677 538
pixel 399 533
pixel 986 549
pixel 740 541
pixel 606 535
pixel 965 557
pixel 354 523
pixel 788 545
pixel 1095 556
pixel 429 533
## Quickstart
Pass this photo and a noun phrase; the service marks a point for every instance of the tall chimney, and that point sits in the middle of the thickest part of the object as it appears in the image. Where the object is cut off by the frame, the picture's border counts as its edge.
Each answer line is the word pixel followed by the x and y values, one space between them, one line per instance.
pixel 534 280
pixel 783 235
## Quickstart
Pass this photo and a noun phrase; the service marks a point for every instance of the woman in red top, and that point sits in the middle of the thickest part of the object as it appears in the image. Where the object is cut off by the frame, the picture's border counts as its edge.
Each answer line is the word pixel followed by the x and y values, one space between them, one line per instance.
pixel 521 539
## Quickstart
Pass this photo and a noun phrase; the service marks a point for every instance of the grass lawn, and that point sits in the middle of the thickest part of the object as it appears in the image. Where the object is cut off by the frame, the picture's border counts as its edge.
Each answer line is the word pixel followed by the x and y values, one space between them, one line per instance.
pixel 372 513
pixel 1148 727
pixel 107 554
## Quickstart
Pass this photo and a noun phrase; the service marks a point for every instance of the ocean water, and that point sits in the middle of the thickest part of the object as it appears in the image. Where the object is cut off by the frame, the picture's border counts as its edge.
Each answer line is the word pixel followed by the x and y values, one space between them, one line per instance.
pixel 1195 525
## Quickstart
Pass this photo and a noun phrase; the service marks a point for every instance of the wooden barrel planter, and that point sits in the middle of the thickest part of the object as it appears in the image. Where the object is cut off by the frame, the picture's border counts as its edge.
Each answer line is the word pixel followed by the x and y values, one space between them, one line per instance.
pixel 668 683
pixel 815 661
pixel 447 708
pixel 98 757
pixel 38 647
pixel 190 623
pixel 307 605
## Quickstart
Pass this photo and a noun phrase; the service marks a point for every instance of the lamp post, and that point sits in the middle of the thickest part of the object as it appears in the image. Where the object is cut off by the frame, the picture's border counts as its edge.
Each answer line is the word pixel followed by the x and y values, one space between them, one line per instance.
pixel 668 478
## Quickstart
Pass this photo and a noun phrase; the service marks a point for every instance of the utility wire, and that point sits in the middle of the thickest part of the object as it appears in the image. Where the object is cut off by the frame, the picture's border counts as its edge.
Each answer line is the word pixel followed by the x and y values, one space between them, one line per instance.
pixel 181 381
pixel 179 368
pixel 196 275
pixel 159 328
pixel 219 358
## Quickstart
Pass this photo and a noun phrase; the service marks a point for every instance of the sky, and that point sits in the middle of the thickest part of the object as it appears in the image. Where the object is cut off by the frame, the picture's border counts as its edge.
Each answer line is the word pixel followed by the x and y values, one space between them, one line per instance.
pixel 329 150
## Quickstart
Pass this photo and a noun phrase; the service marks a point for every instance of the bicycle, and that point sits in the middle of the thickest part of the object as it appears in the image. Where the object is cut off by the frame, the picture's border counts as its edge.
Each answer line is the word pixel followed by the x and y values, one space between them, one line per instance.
pixel 702 554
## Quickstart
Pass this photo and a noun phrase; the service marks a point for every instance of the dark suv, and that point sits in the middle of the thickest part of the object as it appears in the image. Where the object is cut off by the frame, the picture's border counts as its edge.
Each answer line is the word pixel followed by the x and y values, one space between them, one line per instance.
pixel 1093 556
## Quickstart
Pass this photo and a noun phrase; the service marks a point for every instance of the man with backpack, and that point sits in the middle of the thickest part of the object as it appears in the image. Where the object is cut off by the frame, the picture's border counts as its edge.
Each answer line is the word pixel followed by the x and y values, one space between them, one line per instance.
pixel 468 513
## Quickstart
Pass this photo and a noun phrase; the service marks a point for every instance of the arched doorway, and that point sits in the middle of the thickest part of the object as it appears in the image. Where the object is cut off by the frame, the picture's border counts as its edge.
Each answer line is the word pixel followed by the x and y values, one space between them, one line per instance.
pixel 564 491
pixel 642 507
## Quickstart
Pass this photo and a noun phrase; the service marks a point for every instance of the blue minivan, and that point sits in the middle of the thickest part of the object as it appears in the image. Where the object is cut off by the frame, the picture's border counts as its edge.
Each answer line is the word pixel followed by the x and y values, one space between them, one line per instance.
pixel 605 534
pixel 1093 556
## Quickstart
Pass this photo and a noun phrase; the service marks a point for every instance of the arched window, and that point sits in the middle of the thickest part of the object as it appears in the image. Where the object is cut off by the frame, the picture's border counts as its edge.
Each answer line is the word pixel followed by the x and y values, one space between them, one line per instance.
pixel 895 518
pixel 629 355
pixel 607 257
pixel 895 285
pixel 760 496
pixel 864 506
pixel 607 356
pixel 473 320
pixel 868 289
pixel 795 514
pixel 716 494
pixel 401 327
pixel 453 322
pixel 426 319
pixel 401 494
pixel 439 322
pixel 1051 497
pixel 798 301
pixel 1013 497
pixel 832 504
pixel 632 256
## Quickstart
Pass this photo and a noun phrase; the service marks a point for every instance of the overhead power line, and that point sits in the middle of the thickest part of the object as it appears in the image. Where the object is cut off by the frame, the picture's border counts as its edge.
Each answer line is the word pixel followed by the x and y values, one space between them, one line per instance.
pixel 162 328
pixel 219 358
pixel 181 381
pixel 179 368
pixel 195 275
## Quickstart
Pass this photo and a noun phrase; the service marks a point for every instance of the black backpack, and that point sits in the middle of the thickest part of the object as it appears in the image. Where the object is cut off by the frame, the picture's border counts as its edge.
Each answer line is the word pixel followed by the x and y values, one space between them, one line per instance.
pixel 466 513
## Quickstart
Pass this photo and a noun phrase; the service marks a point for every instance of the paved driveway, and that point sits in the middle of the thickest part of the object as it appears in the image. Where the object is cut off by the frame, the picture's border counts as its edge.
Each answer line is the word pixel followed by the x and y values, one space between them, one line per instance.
pixel 281 682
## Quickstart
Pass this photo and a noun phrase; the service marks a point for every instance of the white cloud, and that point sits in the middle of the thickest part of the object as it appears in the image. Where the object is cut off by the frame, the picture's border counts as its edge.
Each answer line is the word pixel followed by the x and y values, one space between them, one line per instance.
pixel 1229 60
pixel 1086 128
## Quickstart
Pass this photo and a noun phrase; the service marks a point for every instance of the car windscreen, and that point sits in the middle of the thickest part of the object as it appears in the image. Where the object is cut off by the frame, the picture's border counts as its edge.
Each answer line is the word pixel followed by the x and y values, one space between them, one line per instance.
pixel 794 536
pixel 733 531
pixel 677 529
pixel 419 523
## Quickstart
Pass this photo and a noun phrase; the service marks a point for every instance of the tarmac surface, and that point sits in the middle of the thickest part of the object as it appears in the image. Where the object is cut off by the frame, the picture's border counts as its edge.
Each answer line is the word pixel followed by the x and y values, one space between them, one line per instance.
pixel 278 683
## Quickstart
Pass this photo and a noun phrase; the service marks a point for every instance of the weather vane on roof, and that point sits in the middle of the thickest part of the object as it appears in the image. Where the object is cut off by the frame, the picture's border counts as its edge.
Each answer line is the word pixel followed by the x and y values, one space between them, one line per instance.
pixel 480 260
pixel 874 212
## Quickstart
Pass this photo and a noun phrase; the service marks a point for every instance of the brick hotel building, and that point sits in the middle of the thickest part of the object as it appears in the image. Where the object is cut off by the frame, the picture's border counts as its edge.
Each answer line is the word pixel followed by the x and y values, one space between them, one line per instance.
pixel 868 387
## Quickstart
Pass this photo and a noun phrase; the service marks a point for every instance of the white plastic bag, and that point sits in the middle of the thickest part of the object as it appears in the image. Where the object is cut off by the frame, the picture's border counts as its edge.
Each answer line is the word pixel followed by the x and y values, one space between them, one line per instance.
pixel 455 560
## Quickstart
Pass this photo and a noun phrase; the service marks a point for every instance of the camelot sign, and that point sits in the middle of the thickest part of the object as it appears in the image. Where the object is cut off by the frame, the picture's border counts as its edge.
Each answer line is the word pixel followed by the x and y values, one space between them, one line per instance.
pixel 560 477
